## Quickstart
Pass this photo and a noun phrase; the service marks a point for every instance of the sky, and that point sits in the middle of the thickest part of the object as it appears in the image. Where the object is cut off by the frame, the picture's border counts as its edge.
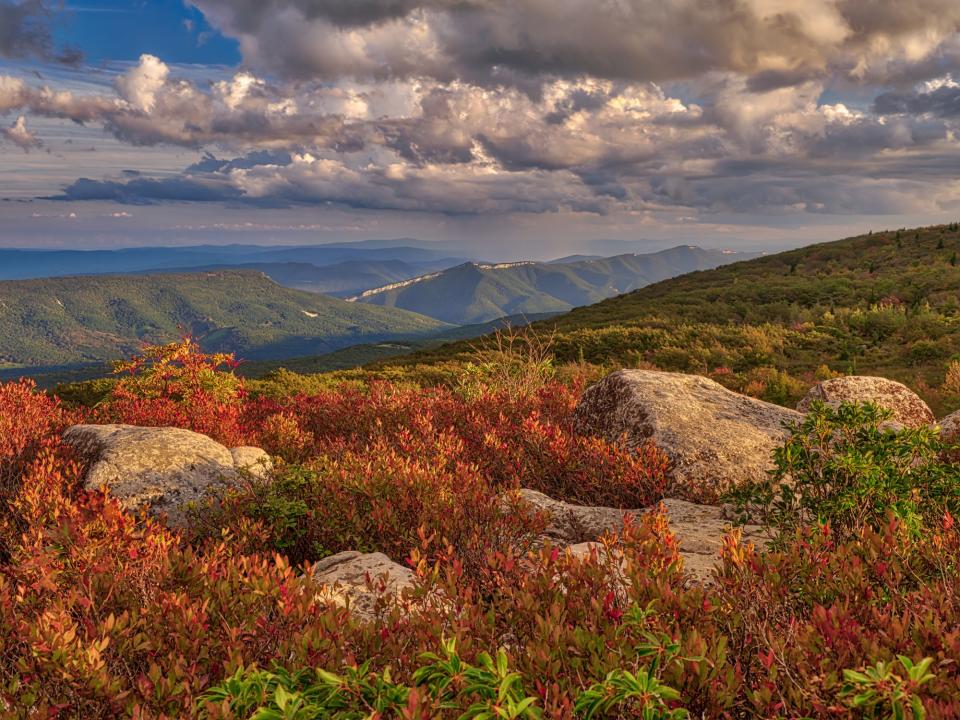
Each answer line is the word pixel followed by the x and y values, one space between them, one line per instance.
pixel 508 128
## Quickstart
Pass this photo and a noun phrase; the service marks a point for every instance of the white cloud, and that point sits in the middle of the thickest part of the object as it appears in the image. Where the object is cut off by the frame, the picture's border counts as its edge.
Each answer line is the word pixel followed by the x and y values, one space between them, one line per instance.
pixel 20 135
pixel 140 85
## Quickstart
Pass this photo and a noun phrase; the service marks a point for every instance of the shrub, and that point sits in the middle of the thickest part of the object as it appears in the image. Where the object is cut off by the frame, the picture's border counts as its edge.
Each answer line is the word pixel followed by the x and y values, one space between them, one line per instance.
pixel 104 614
pixel 847 468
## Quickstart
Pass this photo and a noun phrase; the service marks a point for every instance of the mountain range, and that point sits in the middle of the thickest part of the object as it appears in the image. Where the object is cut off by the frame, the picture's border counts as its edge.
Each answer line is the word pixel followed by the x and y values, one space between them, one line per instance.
pixel 480 292
pixel 20 264
pixel 265 303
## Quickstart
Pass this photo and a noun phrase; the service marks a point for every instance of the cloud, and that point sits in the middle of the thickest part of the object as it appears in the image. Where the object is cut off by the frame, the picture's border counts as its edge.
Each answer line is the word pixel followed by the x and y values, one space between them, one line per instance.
pixel 140 86
pixel 305 179
pixel 500 107
pixel 940 98
pixel 20 136
pixel 25 32
pixel 779 41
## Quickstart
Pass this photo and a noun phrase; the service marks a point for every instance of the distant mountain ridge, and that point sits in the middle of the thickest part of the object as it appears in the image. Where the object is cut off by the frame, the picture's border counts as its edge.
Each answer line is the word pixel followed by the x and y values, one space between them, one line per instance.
pixel 341 279
pixel 58 321
pixel 23 264
pixel 480 292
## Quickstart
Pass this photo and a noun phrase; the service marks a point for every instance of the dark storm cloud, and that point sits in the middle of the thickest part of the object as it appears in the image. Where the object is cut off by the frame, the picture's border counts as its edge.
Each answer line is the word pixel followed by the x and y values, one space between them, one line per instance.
pixel 25 32
pixel 649 40
pixel 145 191
pixel 942 102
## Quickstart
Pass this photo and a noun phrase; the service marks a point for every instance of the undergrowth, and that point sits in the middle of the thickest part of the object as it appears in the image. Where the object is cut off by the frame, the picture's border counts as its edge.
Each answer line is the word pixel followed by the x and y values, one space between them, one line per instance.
pixel 105 614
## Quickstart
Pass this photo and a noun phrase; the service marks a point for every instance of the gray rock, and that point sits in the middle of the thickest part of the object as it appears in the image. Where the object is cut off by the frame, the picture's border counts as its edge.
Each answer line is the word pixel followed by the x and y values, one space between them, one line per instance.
pixel 699 529
pixel 950 427
pixel 361 580
pixel 159 468
pixel 950 434
pixel 909 409
pixel 252 460
pixel 570 524
pixel 716 439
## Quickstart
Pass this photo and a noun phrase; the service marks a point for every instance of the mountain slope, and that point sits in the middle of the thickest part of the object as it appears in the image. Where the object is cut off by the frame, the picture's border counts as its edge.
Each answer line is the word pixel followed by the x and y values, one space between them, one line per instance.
pixel 340 279
pixel 884 304
pixel 476 293
pixel 89 319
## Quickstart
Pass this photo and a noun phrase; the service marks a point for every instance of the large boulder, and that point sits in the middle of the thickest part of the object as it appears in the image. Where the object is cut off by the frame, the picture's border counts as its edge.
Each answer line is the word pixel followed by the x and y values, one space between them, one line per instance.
pixel 716 439
pixel 909 410
pixel 162 468
pixel 361 581
pixel 699 529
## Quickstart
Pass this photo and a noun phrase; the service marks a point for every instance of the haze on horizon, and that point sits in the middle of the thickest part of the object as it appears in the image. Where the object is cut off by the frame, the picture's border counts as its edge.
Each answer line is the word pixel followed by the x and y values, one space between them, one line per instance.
pixel 508 128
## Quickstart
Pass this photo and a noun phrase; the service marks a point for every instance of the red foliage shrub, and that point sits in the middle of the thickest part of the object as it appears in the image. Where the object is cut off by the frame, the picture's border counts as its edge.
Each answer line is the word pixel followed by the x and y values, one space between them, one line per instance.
pixel 514 441
pixel 176 385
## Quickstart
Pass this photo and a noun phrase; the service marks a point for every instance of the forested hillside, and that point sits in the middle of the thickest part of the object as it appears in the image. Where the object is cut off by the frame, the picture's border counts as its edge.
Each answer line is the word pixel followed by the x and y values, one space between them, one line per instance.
pixel 87 319
pixel 476 293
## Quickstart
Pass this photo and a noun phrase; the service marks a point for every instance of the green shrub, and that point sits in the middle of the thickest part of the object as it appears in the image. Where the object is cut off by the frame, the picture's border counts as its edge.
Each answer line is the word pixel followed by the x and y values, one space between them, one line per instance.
pixel 847 467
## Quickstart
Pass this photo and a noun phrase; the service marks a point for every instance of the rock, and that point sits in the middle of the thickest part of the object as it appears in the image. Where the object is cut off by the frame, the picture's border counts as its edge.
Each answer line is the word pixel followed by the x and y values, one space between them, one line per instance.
pixel 950 434
pixel 157 467
pixel 909 410
pixel 716 439
pixel 699 529
pixel 950 427
pixel 359 580
pixel 570 524
pixel 252 460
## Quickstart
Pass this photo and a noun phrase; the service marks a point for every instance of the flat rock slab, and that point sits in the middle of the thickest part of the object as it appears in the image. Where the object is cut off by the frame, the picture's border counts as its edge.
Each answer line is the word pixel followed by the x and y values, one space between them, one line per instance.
pixel 908 408
pixel 360 580
pixel 716 439
pixel 159 468
pixel 699 529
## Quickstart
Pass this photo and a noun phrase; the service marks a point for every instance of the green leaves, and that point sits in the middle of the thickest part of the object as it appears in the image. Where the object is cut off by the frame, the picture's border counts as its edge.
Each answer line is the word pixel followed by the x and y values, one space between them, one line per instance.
pixel 884 692
pixel 307 694
pixel 499 692
pixel 488 690
pixel 845 468
pixel 644 692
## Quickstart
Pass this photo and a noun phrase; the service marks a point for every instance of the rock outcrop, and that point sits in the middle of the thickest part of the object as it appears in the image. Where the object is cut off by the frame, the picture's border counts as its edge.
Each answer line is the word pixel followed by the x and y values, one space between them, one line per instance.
pixel 950 434
pixel 699 529
pixel 950 427
pixel 571 524
pixel 716 439
pixel 909 410
pixel 160 468
pixel 360 580
pixel 252 460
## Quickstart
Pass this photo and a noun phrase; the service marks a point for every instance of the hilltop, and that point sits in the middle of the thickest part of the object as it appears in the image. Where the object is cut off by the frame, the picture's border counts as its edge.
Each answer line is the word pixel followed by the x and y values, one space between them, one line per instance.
pixel 91 319
pixel 477 292
pixel 885 303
